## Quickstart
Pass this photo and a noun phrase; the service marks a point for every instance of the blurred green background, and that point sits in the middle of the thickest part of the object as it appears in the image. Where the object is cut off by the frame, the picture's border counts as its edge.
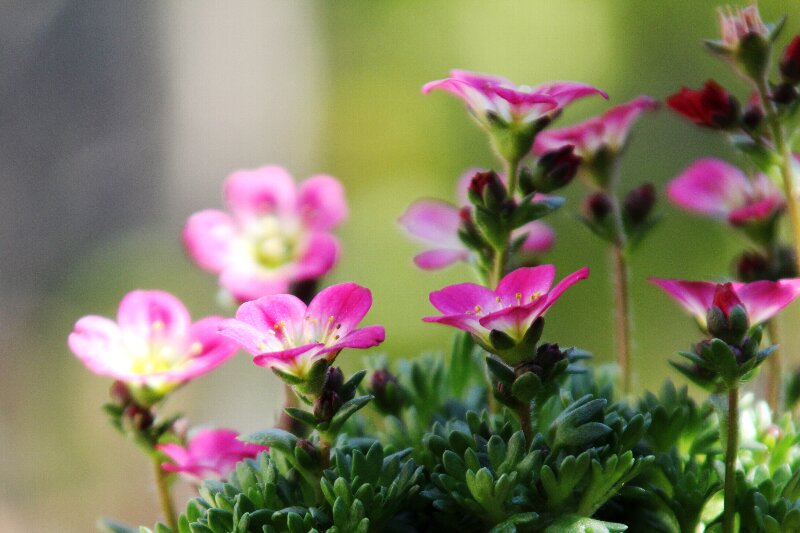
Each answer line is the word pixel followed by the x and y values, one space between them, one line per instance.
pixel 200 89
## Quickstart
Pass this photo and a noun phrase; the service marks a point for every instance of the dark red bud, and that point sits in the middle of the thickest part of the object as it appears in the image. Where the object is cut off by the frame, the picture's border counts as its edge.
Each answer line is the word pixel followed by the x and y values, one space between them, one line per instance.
pixel 120 394
pixel 140 418
pixel 753 266
pixel 327 405
pixel 639 202
pixel 784 94
pixel 334 379
pixel 556 169
pixel 790 62
pixel 725 298
pixel 597 206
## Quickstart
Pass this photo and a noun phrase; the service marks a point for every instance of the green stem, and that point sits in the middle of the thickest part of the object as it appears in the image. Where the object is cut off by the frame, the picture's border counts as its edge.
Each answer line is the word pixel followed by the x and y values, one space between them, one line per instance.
pixel 787 173
pixel 524 414
pixel 500 256
pixel 621 273
pixel 164 497
pixel 729 513
pixel 774 370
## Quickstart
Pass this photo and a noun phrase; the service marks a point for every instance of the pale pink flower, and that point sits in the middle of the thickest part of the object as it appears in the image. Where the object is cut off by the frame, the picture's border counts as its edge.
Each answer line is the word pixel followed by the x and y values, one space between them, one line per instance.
pixel 520 298
pixel 437 223
pixel 282 333
pixel 491 98
pixel 607 131
pixel 153 346
pixel 736 24
pixel 716 189
pixel 761 299
pixel 276 233
pixel 209 454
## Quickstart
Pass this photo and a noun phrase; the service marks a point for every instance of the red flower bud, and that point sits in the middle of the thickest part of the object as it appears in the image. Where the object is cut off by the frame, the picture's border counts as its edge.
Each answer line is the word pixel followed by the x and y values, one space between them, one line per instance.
pixel 639 202
pixel 712 106
pixel 597 206
pixel 725 298
pixel 790 62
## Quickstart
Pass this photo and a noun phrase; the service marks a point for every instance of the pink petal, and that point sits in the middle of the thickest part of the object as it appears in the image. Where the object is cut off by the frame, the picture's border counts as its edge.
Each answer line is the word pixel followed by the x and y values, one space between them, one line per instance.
pixel 710 187
pixel 343 305
pixel 245 282
pixel 515 320
pixel 279 315
pixel 565 92
pixel 287 358
pixel 439 258
pixel 758 210
pixel 262 190
pixel 177 454
pixel 463 298
pixel 556 292
pixel 434 221
pixel 207 237
pixel 320 256
pixel 214 349
pixel 96 341
pixel 153 315
pixel 764 299
pixel 322 203
pixel 464 322
pixel 694 296
pixel 361 338
pixel 540 237
pixel 254 341
pixel 524 285
pixel 618 120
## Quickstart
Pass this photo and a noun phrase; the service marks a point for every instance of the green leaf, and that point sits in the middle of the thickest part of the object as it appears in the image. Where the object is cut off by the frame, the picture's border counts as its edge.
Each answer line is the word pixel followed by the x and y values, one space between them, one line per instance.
pixel 301 416
pixel 500 370
pixel 275 438
pixel 526 387
pixel 347 410
pixel 112 526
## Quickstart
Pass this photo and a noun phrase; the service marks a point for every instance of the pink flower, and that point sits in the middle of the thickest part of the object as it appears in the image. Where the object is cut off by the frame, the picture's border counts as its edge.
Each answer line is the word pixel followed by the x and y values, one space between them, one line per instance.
pixel 520 298
pixel 210 453
pixel 437 223
pixel 719 190
pixel 283 334
pixel 761 299
pixel 609 130
pixel 492 98
pixel 734 25
pixel 153 345
pixel 276 233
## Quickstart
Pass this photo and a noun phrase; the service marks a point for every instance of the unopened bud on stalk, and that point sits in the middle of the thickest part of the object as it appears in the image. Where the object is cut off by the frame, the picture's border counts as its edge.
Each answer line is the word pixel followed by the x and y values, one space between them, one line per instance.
pixel 487 189
pixel 327 405
pixel 727 318
pixel 790 62
pixel 138 418
pixel 120 394
pixel 389 396
pixel 639 203
pixel 597 206
pixel 554 170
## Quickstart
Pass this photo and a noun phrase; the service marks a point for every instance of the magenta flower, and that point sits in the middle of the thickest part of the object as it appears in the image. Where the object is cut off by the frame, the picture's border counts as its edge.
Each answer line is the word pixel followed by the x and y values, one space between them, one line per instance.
pixel 492 98
pixel 285 335
pixel 761 299
pixel 209 454
pixel 153 346
pixel 276 233
pixel 520 298
pixel 607 131
pixel 719 190
pixel 437 223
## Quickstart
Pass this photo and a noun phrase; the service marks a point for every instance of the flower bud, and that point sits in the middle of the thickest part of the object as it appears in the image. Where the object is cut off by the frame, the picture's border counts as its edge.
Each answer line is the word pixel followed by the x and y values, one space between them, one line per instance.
pixel 790 62
pixel 487 189
pixel 311 452
pixel 138 418
pixel 597 206
pixel 554 170
pixel 389 396
pixel 753 115
pixel 727 318
pixel 327 405
pixel 334 379
pixel 711 107
pixel 544 363
pixel 639 202
pixel 784 94
pixel 120 394
pixel 753 266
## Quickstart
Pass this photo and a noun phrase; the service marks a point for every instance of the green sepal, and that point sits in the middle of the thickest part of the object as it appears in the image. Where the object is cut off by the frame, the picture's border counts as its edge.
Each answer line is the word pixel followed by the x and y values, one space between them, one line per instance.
pixel 529 210
pixel 500 370
pixel 724 362
pixel 492 227
pixel 500 340
pixel 347 410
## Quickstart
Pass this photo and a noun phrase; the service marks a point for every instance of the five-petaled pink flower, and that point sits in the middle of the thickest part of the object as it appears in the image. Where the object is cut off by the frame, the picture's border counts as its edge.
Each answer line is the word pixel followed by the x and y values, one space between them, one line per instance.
pixel 491 98
pixel 761 299
pixel 719 190
pixel 153 346
pixel 520 298
pixel 437 223
pixel 276 233
pixel 608 131
pixel 283 334
pixel 209 454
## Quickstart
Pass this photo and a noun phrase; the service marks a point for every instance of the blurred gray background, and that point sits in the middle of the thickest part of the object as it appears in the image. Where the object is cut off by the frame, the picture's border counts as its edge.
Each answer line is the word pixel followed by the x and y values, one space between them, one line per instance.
pixel 120 119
